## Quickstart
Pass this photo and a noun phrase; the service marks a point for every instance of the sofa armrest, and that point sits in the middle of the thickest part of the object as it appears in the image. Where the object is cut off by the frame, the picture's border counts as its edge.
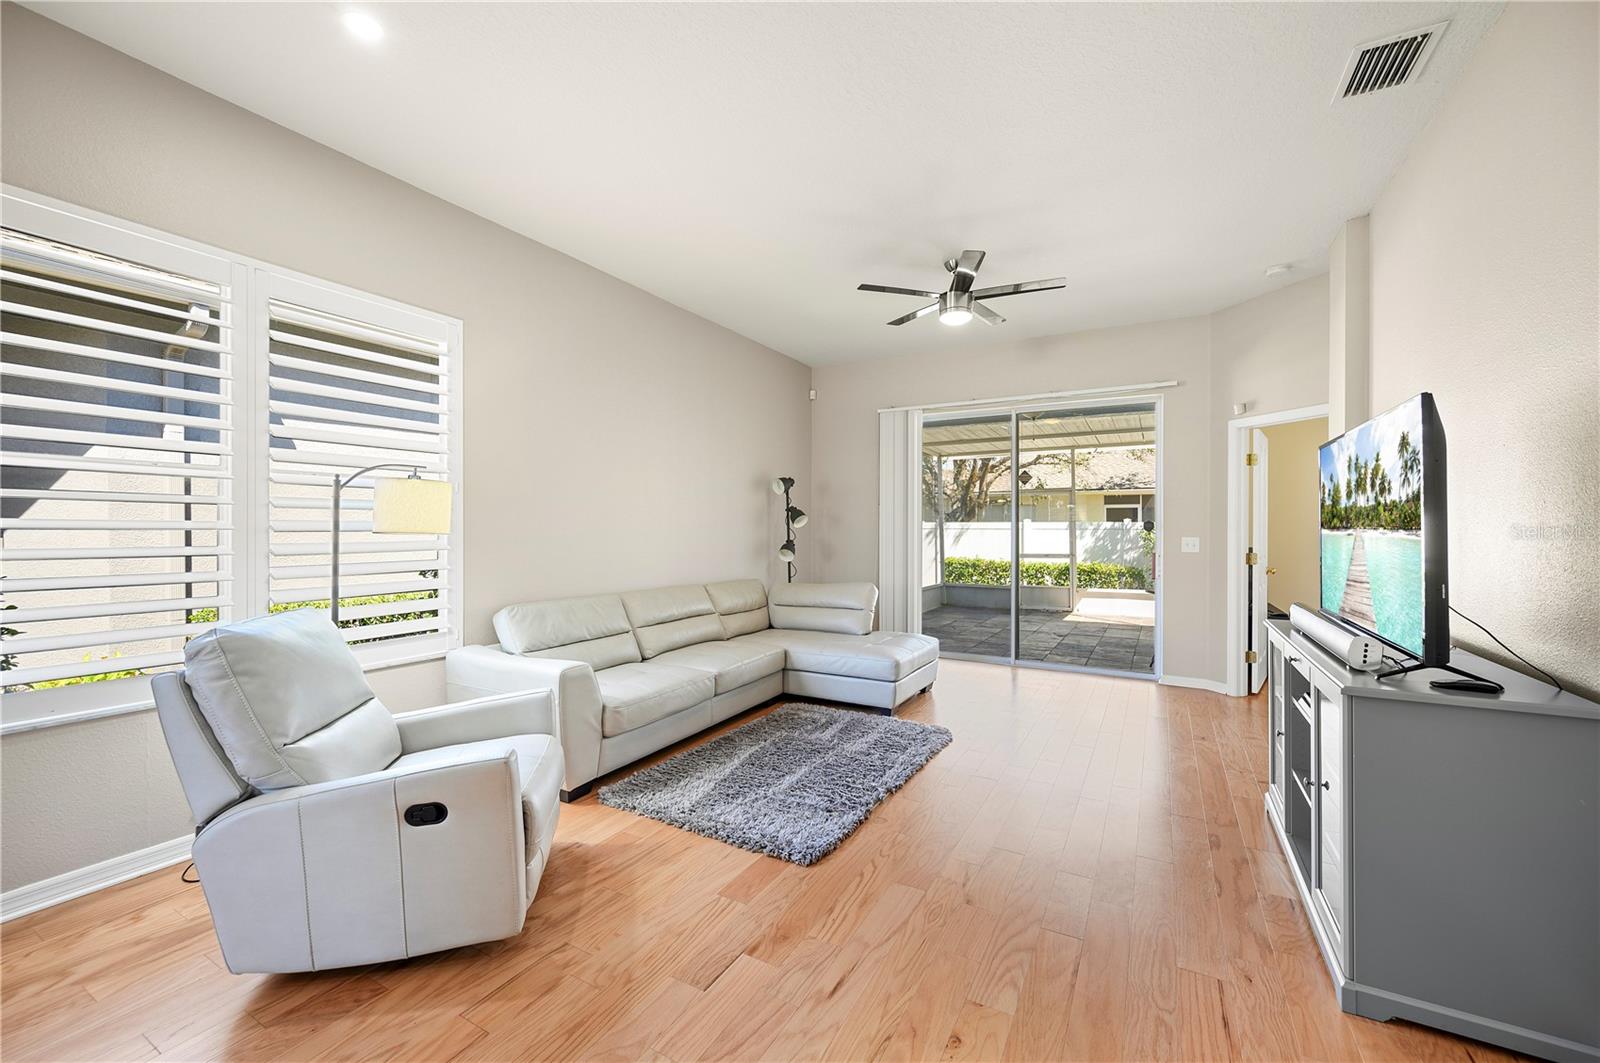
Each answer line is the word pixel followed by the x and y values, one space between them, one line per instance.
pixel 526 712
pixel 478 671
pixel 332 874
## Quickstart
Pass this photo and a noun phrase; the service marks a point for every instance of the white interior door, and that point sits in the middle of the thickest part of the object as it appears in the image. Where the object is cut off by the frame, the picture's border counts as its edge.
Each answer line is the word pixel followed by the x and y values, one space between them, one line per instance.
pixel 1256 573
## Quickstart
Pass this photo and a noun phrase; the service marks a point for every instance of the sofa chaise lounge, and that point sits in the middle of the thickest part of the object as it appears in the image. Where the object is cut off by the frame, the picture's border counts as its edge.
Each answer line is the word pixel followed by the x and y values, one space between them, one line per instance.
pixel 635 672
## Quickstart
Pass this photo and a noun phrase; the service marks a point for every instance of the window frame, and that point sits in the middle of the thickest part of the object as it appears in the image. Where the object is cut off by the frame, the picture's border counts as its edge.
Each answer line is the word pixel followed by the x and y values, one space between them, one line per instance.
pixel 252 282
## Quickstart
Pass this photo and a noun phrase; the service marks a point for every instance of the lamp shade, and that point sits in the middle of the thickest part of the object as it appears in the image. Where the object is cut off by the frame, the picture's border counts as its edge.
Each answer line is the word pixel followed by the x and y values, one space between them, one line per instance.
pixel 411 507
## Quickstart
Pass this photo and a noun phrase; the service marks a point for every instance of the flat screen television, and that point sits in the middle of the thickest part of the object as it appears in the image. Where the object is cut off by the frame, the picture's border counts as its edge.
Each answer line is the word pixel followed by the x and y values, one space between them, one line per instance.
pixel 1383 552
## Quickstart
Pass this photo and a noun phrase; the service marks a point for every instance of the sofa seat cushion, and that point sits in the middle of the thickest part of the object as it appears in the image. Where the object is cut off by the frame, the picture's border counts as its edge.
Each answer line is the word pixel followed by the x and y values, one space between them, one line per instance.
pixel 732 663
pixel 887 656
pixel 634 695
pixel 539 775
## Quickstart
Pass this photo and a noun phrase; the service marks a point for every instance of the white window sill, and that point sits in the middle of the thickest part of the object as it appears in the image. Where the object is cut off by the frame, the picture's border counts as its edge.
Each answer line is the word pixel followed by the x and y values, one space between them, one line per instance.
pixel 71 710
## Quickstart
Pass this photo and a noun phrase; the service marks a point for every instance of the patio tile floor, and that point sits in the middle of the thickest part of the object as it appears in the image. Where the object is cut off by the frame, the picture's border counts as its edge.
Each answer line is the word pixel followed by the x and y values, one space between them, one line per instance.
pixel 1048 635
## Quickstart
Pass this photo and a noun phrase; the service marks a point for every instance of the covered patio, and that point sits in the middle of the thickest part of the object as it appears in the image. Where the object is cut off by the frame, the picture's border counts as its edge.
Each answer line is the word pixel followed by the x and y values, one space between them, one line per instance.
pixel 1101 633
pixel 1072 513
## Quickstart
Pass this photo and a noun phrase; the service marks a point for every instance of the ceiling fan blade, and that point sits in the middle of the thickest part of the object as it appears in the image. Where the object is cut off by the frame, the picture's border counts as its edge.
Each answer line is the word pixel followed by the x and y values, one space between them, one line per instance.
pixel 965 271
pixel 989 317
pixel 1017 289
pixel 892 290
pixel 930 308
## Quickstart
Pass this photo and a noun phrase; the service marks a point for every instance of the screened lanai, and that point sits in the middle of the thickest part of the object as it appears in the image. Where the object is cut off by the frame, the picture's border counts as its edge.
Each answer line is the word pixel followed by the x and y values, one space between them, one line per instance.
pixel 1038 540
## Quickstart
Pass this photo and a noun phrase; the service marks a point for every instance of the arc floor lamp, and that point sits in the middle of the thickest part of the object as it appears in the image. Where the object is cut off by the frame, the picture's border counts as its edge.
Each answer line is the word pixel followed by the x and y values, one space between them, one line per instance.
pixel 793 517
pixel 400 506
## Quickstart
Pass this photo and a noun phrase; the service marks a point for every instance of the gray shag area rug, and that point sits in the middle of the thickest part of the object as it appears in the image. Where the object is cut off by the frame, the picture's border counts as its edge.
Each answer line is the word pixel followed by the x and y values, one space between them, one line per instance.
pixel 792 784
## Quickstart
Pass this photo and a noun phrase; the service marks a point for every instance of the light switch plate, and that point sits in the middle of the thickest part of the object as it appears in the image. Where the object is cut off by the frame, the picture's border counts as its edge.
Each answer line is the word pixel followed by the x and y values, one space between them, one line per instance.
pixel 1190 544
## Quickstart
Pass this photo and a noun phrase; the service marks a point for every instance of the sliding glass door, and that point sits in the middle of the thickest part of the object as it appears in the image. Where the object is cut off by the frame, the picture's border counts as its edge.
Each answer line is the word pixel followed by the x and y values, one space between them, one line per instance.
pixel 1086 532
pixel 1039 533
pixel 967 535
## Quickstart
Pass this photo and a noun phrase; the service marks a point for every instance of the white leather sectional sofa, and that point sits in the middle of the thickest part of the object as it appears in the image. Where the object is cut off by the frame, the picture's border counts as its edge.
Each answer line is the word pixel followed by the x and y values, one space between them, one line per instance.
pixel 635 672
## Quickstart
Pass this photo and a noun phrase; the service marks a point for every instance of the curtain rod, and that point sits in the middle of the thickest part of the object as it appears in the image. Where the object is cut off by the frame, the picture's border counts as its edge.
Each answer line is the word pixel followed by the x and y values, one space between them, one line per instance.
pixel 1038 397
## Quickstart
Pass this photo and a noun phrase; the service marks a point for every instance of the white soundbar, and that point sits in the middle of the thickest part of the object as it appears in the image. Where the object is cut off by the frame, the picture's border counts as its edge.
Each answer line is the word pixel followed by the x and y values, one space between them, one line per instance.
pixel 1358 651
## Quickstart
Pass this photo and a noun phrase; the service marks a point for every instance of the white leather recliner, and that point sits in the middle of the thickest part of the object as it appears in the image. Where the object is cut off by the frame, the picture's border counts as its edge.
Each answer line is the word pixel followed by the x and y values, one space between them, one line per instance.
pixel 332 832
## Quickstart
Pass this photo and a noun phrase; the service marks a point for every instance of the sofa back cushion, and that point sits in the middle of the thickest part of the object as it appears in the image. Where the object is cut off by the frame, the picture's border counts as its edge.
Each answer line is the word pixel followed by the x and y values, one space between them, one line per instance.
pixel 287 702
pixel 742 604
pixel 593 630
pixel 668 618
pixel 845 608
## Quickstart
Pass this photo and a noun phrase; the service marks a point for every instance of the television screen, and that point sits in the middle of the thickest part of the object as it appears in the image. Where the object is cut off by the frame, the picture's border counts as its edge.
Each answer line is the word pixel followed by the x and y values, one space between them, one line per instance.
pixel 1380 572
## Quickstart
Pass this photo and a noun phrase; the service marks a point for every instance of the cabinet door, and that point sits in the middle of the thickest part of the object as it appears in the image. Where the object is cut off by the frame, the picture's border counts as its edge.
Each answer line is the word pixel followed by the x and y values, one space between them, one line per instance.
pixel 1330 800
pixel 1275 708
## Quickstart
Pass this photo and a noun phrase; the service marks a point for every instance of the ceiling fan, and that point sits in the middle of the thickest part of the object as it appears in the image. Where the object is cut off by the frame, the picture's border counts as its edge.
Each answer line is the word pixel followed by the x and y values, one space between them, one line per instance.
pixel 959 304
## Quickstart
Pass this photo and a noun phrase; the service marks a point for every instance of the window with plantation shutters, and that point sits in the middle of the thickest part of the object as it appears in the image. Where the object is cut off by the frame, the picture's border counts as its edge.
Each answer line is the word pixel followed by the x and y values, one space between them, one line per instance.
pixel 172 418
pixel 352 386
pixel 117 474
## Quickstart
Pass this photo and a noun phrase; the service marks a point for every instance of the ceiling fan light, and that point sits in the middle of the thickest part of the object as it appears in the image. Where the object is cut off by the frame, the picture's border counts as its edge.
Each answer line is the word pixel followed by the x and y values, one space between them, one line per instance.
pixel 955 308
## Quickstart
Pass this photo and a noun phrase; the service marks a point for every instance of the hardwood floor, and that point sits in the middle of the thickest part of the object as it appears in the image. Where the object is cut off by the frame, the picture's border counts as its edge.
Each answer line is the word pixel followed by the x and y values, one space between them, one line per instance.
pixel 1085 873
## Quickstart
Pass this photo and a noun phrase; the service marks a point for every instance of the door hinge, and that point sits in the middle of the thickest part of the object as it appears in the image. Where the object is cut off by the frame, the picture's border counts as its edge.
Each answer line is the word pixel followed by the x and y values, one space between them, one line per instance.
pixel 1251 657
pixel 1250 458
pixel 1250 557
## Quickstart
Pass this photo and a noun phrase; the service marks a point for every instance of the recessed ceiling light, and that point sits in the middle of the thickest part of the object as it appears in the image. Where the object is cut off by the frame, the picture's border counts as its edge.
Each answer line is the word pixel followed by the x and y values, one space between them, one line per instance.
pixel 1279 269
pixel 363 27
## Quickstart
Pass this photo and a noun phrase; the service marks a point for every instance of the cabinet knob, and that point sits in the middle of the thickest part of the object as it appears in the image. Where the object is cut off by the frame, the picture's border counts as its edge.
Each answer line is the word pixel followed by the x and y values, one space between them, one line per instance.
pixel 1278 735
pixel 1325 785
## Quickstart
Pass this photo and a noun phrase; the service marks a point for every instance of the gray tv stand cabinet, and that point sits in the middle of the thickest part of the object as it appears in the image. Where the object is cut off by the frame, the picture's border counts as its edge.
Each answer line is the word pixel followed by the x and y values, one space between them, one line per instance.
pixel 1446 846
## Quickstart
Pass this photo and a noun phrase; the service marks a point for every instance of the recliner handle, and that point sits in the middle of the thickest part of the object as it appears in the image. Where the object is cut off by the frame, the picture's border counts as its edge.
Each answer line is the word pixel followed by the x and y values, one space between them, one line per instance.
pixel 426 815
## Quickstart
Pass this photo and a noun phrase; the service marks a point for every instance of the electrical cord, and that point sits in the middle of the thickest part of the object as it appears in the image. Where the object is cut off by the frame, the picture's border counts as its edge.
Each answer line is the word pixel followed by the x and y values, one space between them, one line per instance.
pixel 1553 680
pixel 184 875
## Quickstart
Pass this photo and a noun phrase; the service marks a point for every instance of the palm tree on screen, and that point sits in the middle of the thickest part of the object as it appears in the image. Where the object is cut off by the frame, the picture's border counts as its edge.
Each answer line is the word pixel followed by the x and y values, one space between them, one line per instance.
pixel 1410 465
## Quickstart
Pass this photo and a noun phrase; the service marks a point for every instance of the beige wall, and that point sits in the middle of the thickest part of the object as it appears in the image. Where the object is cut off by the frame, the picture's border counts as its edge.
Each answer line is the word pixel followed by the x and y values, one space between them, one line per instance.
pixel 1484 288
pixel 1271 352
pixel 1293 523
pixel 577 386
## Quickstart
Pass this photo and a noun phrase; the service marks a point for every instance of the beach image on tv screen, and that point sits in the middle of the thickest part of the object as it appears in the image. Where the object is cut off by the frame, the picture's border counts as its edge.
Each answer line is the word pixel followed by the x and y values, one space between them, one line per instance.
pixel 1372 526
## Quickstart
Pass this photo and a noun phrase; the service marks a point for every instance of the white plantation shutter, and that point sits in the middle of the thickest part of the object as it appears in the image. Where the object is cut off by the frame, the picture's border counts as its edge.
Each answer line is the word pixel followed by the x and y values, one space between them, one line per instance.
pixel 117 449
pixel 171 419
pixel 350 384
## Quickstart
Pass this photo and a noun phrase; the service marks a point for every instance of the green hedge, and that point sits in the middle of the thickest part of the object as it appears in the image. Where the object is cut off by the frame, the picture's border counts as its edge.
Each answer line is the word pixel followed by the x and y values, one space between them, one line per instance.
pixel 208 615
pixel 51 684
pixel 1092 575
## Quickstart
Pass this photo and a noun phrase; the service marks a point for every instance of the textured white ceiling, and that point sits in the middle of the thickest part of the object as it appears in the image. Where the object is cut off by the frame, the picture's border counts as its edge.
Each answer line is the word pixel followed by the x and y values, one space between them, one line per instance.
pixel 753 163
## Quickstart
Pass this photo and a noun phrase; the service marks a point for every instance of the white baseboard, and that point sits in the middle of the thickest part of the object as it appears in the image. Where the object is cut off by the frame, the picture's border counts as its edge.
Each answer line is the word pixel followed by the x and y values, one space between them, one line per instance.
pixel 37 895
pixel 1195 682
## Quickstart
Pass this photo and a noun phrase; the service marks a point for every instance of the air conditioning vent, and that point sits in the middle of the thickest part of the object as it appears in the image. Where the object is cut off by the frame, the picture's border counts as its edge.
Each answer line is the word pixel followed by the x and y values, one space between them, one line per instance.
pixel 1392 61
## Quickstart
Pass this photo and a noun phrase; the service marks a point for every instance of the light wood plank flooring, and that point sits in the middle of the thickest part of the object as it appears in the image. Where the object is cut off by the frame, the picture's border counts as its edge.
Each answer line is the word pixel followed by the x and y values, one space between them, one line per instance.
pixel 1085 873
